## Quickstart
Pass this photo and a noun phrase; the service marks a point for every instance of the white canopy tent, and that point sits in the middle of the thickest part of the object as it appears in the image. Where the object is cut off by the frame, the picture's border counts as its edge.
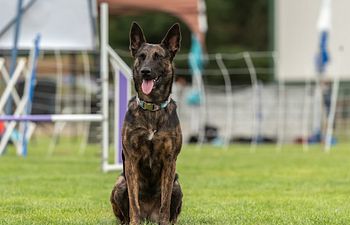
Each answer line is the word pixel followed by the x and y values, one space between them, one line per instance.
pixel 64 25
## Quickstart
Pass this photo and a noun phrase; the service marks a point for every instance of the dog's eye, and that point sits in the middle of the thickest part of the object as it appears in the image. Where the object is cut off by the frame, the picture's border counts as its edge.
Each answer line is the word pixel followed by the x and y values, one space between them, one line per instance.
pixel 142 56
pixel 156 56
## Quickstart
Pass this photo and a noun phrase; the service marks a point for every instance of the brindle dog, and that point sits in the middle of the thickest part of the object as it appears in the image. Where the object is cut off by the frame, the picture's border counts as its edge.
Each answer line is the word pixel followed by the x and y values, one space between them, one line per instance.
pixel 149 188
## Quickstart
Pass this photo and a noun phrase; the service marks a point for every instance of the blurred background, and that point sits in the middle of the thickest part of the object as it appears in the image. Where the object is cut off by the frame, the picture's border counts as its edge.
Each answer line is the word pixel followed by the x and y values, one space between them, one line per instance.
pixel 259 71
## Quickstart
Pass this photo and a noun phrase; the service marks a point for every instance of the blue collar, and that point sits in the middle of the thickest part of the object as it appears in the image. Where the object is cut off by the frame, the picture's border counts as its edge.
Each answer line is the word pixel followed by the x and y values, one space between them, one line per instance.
pixel 151 106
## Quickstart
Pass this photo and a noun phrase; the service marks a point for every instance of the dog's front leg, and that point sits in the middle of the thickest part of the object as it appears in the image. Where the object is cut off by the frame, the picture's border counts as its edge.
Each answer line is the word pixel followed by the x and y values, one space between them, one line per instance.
pixel 167 180
pixel 132 177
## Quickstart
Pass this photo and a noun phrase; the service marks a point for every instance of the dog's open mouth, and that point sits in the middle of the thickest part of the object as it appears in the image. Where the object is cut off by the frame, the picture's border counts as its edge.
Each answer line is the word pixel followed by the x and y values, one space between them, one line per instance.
pixel 148 85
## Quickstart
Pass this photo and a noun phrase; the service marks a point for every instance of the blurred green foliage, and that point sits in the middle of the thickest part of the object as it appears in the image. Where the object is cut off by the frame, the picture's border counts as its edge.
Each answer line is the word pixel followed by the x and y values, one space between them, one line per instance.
pixel 234 26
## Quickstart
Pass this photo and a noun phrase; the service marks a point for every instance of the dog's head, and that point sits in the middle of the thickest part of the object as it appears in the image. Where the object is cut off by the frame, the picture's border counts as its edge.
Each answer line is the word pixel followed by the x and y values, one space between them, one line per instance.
pixel 153 71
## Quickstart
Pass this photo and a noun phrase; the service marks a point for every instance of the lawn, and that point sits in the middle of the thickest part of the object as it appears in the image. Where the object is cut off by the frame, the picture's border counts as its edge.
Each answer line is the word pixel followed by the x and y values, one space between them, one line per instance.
pixel 233 186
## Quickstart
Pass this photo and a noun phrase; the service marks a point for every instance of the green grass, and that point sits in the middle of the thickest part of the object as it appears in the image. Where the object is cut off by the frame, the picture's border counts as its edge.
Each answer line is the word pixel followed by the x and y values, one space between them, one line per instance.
pixel 220 187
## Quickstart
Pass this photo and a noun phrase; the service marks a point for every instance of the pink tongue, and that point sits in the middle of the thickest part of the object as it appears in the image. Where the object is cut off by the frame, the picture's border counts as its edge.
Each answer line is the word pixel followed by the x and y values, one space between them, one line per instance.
pixel 147 86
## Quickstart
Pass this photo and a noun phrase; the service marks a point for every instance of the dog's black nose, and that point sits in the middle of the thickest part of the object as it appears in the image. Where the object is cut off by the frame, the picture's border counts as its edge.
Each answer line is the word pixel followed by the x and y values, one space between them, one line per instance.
pixel 146 71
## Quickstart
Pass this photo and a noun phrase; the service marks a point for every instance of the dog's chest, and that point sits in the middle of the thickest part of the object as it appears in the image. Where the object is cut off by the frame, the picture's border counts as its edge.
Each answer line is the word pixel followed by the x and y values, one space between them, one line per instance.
pixel 157 146
pixel 152 154
pixel 151 136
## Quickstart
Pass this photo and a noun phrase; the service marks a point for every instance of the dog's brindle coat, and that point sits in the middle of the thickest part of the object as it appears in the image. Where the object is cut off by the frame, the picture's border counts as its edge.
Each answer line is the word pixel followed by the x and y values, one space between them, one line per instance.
pixel 149 189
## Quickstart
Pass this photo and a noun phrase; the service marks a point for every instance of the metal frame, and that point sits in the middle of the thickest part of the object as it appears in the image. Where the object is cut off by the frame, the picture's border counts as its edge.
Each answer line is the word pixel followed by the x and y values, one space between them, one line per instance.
pixel 120 69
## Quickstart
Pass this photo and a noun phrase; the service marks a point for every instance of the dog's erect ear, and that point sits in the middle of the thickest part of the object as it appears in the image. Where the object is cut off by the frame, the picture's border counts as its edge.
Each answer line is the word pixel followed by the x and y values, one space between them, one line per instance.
pixel 136 38
pixel 172 39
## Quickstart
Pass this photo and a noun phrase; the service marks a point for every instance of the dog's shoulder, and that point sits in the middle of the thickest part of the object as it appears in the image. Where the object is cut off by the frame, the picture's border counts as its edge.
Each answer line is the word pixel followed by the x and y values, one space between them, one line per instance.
pixel 132 105
pixel 172 106
pixel 132 111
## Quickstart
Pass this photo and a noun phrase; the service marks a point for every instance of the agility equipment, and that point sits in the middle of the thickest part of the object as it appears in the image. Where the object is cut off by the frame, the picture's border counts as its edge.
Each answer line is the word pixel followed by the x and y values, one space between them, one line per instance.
pixel 122 78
